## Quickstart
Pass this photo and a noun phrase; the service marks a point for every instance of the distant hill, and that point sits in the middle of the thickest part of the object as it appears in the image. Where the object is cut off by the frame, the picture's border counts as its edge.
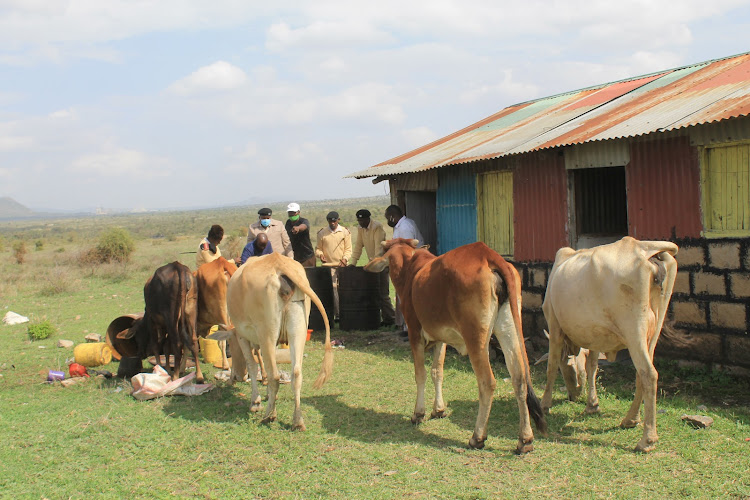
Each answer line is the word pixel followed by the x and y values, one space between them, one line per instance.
pixel 10 208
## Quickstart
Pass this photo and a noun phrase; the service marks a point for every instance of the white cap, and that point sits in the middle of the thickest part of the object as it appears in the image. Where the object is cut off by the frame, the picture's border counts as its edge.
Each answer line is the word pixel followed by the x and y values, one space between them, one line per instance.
pixel 292 207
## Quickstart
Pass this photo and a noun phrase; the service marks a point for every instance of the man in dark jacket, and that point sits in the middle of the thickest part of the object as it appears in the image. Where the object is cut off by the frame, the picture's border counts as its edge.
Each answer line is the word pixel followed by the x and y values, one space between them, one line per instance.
pixel 298 229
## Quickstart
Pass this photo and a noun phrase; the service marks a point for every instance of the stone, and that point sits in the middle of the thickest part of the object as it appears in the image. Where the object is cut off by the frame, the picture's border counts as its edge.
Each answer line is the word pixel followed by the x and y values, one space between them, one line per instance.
pixel 711 284
pixel 67 344
pixel 93 337
pixel 698 421
pixel 738 350
pixel 682 283
pixel 724 255
pixel 690 256
pixel 538 278
pixel 728 315
pixel 739 285
pixel 689 312
pixel 531 300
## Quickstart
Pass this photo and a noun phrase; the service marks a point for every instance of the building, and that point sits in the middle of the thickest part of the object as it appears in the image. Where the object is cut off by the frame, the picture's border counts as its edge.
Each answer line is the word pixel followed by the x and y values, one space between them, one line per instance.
pixel 662 156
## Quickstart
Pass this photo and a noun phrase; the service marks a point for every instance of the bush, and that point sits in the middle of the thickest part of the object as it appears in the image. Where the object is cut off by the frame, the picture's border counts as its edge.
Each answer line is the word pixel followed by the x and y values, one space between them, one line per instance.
pixel 20 251
pixel 115 245
pixel 39 245
pixel 41 331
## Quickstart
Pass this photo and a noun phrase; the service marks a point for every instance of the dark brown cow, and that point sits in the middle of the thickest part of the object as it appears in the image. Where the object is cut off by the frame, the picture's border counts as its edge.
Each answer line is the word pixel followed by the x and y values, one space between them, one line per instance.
pixel 462 298
pixel 168 324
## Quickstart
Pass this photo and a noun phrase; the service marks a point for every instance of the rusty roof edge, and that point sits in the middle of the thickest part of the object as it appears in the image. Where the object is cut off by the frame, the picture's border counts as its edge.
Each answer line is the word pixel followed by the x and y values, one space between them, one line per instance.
pixel 375 170
pixel 736 91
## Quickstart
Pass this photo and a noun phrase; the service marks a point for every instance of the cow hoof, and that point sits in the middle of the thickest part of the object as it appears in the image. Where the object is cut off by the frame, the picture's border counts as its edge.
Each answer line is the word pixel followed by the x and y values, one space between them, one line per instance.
pixel 590 410
pixel 417 418
pixel 545 410
pixel 437 414
pixel 646 447
pixel 476 444
pixel 629 424
pixel 299 427
pixel 268 419
pixel 524 447
pixel 255 408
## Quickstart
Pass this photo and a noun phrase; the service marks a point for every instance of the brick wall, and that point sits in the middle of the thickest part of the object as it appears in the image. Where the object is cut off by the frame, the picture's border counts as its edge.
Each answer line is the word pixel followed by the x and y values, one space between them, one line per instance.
pixel 709 313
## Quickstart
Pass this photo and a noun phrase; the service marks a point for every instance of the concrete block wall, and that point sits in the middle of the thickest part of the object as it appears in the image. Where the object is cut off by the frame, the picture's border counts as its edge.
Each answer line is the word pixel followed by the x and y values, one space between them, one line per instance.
pixel 709 314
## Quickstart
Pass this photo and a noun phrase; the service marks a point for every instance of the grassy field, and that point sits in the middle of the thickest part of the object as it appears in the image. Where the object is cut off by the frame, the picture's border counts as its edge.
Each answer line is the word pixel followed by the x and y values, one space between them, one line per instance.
pixel 94 440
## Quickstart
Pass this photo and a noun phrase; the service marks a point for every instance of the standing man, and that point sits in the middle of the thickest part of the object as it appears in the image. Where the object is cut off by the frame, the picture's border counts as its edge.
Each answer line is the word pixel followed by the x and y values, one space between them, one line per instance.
pixel 275 231
pixel 403 227
pixel 334 250
pixel 298 229
pixel 370 235
pixel 208 250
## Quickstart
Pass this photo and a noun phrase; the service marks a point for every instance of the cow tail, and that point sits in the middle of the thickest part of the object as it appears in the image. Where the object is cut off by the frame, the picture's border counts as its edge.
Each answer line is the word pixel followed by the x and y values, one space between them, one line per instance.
pixel 510 276
pixel 300 280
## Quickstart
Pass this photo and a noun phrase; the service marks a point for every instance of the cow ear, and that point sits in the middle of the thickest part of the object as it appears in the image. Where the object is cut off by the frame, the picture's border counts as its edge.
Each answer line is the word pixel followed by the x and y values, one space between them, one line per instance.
pixel 220 335
pixel 126 334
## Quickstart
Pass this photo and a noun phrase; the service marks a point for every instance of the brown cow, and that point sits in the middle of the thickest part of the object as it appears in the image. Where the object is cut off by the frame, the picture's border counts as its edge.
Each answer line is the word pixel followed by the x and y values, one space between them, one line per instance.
pixel 168 323
pixel 462 298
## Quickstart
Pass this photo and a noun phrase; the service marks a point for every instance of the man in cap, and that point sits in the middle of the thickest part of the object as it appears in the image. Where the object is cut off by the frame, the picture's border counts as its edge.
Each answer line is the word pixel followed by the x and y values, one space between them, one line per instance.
pixel 370 235
pixel 334 250
pixel 298 229
pixel 275 231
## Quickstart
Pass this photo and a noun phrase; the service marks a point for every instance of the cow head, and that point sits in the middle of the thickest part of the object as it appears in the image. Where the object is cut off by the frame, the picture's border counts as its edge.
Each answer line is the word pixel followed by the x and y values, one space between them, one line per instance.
pixel 396 251
pixel 138 332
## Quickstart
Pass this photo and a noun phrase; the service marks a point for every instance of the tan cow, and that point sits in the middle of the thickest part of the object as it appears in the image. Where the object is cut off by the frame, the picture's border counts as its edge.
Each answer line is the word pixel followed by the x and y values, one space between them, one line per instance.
pixel 462 298
pixel 605 299
pixel 268 299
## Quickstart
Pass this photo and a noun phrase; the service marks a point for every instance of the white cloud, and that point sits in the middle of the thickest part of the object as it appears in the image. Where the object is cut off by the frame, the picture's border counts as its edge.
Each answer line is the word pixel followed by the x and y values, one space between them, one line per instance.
pixel 116 161
pixel 215 77
pixel 419 136
pixel 15 143
pixel 317 35
pixel 63 114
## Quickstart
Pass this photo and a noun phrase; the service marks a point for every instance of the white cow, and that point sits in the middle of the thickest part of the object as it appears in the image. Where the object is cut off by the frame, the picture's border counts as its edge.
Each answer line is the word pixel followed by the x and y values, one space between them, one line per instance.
pixel 605 299
pixel 268 300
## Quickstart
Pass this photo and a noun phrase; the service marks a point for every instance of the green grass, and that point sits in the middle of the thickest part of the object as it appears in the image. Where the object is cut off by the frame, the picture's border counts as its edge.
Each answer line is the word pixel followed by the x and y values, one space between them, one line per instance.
pixel 94 440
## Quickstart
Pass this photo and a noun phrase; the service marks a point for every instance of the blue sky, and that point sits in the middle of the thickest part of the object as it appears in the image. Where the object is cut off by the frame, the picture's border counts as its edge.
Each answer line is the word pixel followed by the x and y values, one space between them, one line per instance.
pixel 164 104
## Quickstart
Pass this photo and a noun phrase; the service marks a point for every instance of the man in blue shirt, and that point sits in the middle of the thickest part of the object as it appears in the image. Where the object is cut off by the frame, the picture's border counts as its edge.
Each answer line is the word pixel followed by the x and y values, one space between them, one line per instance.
pixel 259 246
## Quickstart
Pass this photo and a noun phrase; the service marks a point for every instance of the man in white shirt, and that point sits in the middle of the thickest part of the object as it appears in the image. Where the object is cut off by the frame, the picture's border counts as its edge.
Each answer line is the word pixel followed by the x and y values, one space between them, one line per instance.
pixel 403 227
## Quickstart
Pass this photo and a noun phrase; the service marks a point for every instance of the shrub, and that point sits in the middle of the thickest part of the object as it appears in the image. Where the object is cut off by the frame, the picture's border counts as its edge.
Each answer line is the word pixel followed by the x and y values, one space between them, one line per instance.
pixel 39 245
pixel 20 251
pixel 40 331
pixel 116 245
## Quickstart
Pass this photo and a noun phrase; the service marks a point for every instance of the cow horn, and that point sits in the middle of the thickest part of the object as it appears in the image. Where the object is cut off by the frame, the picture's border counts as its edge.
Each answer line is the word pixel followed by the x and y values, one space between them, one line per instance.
pixel 541 360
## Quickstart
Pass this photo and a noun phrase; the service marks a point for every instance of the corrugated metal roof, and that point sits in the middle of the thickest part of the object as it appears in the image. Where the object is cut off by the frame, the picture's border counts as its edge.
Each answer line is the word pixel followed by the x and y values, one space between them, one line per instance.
pixel 701 93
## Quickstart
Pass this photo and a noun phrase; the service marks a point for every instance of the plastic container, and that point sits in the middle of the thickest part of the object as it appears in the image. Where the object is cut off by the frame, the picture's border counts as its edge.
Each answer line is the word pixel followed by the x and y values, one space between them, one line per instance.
pixel 210 350
pixel 359 308
pixel 55 376
pixel 322 284
pixel 92 354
